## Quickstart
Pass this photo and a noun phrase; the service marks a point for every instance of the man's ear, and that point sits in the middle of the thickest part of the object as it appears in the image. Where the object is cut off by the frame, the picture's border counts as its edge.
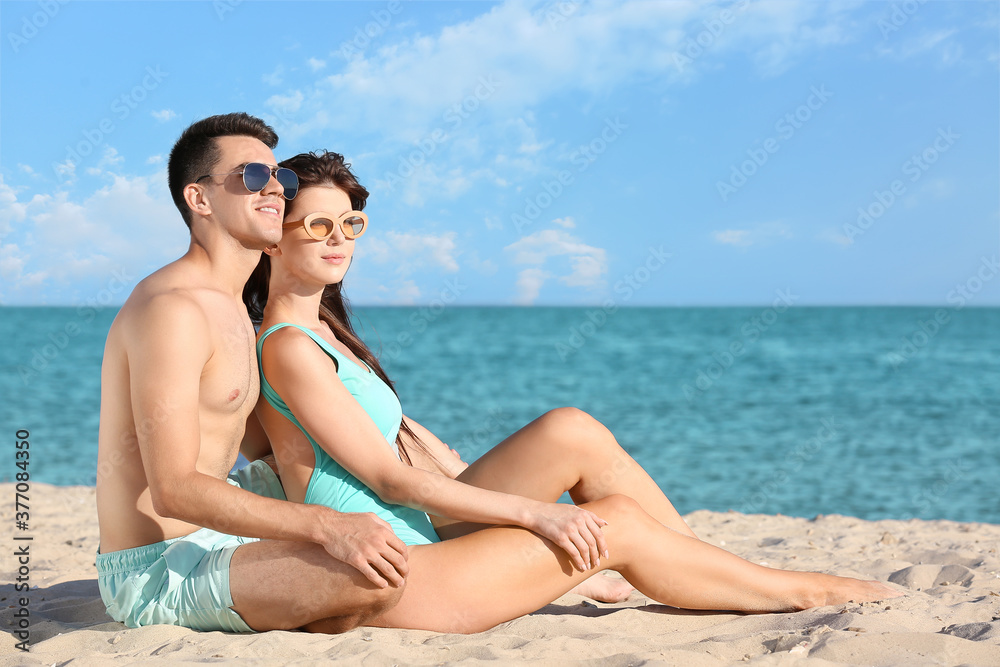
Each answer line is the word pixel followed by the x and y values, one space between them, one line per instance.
pixel 196 200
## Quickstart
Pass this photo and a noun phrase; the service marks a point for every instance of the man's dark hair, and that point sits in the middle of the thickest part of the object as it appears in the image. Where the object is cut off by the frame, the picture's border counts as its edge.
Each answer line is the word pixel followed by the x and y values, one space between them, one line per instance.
pixel 197 153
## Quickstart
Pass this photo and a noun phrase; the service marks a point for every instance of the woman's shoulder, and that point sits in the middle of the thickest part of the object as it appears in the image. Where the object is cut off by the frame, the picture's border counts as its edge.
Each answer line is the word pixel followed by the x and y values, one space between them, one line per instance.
pixel 288 340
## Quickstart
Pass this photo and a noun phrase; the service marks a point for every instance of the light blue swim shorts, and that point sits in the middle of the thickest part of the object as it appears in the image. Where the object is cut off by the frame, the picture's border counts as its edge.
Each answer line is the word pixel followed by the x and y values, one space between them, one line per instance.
pixel 183 581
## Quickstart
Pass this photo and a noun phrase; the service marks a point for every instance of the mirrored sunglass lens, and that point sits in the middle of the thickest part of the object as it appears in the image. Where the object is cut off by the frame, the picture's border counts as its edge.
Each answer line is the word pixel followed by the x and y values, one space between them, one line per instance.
pixel 321 227
pixel 256 176
pixel 289 181
pixel 353 226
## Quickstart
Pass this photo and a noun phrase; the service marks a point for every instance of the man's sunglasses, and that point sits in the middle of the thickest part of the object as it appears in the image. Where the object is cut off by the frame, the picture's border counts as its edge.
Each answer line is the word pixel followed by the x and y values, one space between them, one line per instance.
pixel 257 174
pixel 321 226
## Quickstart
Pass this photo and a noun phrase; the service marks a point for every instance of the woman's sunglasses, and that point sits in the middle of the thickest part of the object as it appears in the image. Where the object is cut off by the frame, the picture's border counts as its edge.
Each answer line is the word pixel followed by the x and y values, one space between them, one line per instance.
pixel 320 225
pixel 257 174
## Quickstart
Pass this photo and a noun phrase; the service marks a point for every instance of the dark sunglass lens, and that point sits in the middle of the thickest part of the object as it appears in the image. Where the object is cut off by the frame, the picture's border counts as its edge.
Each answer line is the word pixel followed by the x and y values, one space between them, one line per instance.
pixel 256 176
pixel 289 181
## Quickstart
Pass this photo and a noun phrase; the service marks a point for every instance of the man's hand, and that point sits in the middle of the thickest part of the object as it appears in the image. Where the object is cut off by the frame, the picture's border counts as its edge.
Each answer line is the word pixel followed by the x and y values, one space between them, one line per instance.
pixel 367 543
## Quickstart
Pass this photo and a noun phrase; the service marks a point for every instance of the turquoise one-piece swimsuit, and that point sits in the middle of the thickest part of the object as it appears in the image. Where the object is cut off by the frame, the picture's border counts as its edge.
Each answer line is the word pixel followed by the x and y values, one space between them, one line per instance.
pixel 330 484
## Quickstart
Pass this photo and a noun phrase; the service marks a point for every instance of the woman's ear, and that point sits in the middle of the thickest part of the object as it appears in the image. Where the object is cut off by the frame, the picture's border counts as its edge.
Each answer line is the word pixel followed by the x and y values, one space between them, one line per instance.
pixel 273 250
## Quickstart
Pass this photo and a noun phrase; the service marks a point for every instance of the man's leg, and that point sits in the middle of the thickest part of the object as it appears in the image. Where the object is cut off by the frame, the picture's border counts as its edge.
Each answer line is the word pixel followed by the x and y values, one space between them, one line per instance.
pixel 288 585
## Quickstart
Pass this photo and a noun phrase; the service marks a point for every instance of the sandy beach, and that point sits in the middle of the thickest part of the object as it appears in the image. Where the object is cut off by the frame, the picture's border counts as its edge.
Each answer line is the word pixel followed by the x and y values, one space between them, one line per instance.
pixel 950 615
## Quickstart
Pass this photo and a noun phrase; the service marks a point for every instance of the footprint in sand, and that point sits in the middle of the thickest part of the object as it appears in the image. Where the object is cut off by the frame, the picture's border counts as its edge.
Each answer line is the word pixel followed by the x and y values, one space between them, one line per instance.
pixel 922 577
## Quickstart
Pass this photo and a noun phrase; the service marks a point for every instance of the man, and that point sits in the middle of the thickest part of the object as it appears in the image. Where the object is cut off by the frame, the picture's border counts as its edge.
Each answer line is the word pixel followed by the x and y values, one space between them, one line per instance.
pixel 181 543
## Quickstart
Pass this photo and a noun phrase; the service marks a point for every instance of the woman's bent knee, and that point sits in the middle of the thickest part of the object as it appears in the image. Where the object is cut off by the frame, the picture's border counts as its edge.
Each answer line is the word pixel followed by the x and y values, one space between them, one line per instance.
pixel 616 506
pixel 576 427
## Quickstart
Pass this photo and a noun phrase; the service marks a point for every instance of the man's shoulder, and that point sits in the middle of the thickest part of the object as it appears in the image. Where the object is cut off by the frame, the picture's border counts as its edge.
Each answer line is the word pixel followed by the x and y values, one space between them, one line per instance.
pixel 159 305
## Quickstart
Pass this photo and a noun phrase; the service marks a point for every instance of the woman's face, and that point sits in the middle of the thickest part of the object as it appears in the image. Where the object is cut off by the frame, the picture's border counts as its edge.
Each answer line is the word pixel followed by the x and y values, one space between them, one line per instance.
pixel 303 257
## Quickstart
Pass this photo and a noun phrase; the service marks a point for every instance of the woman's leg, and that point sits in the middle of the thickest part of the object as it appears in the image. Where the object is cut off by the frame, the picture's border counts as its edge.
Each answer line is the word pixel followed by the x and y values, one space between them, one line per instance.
pixel 568 450
pixel 476 581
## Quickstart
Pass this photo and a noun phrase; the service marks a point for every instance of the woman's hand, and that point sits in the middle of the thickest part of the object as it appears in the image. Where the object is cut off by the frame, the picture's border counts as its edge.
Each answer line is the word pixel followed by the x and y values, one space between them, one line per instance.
pixel 574 529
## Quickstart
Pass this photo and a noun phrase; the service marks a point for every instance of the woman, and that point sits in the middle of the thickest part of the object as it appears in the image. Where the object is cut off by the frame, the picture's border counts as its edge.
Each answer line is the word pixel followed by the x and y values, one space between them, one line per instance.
pixel 506 547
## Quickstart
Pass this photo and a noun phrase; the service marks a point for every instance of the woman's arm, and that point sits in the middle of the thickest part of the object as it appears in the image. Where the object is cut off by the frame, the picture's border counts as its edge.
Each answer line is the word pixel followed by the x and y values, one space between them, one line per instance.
pixel 304 376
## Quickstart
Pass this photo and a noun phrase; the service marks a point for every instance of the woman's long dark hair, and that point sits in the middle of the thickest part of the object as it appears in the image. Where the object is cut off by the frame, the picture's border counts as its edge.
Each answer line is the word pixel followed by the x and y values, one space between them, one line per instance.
pixel 328 169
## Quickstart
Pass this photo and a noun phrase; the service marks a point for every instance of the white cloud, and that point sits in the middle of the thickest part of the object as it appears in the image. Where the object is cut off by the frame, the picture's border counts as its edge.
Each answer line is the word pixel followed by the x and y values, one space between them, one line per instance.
pixel 289 103
pixel 275 77
pixel 66 171
pixel 836 237
pixel 407 294
pixel 70 249
pixel 587 264
pixel 408 252
pixel 12 263
pixel 11 210
pixel 396 268
pixel 587 271
pixel 908 46
pixel 479 80
pixel 315 64
pixel 110 158
pixel 154 159
pixel 596 47
pixel 417 182
pixel 529 285
pixel 165 115
pixel 762 234
pixel 740 237
pixel 566 222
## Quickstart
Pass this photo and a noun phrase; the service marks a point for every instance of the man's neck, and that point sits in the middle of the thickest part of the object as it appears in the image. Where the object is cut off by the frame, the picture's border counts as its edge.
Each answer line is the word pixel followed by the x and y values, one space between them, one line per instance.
pixel 226 268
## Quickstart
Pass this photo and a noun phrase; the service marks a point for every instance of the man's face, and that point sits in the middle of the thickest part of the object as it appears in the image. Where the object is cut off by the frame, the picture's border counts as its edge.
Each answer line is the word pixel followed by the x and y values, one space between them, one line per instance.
pixel 252 218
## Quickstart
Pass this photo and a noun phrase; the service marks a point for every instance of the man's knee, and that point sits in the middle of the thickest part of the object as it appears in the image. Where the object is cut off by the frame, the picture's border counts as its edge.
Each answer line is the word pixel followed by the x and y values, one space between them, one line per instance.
pixel 380 602
pixel 384 599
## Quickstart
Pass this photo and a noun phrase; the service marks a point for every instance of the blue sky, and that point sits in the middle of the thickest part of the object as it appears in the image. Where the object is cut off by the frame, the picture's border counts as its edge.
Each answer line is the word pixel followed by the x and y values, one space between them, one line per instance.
pixel 566 153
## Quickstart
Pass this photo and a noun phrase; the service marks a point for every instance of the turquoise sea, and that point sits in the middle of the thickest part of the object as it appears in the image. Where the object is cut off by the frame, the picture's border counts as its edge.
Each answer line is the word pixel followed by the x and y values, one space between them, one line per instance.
pixel 872 412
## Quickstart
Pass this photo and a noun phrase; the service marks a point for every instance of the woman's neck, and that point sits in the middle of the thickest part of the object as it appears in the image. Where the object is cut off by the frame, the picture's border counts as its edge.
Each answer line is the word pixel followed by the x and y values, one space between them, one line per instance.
pixel 298 307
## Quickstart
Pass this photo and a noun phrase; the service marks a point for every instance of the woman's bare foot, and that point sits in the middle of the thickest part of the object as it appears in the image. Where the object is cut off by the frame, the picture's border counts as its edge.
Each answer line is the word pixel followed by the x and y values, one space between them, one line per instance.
pixel 604 589
pixel 846 589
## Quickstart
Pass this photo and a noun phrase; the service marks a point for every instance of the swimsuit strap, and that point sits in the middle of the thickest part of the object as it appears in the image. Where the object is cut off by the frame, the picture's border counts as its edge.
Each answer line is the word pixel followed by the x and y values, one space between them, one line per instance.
pixel 267 390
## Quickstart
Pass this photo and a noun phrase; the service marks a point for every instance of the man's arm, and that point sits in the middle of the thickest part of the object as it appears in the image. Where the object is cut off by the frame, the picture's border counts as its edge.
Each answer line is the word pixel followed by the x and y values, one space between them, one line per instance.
pixel 168 347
